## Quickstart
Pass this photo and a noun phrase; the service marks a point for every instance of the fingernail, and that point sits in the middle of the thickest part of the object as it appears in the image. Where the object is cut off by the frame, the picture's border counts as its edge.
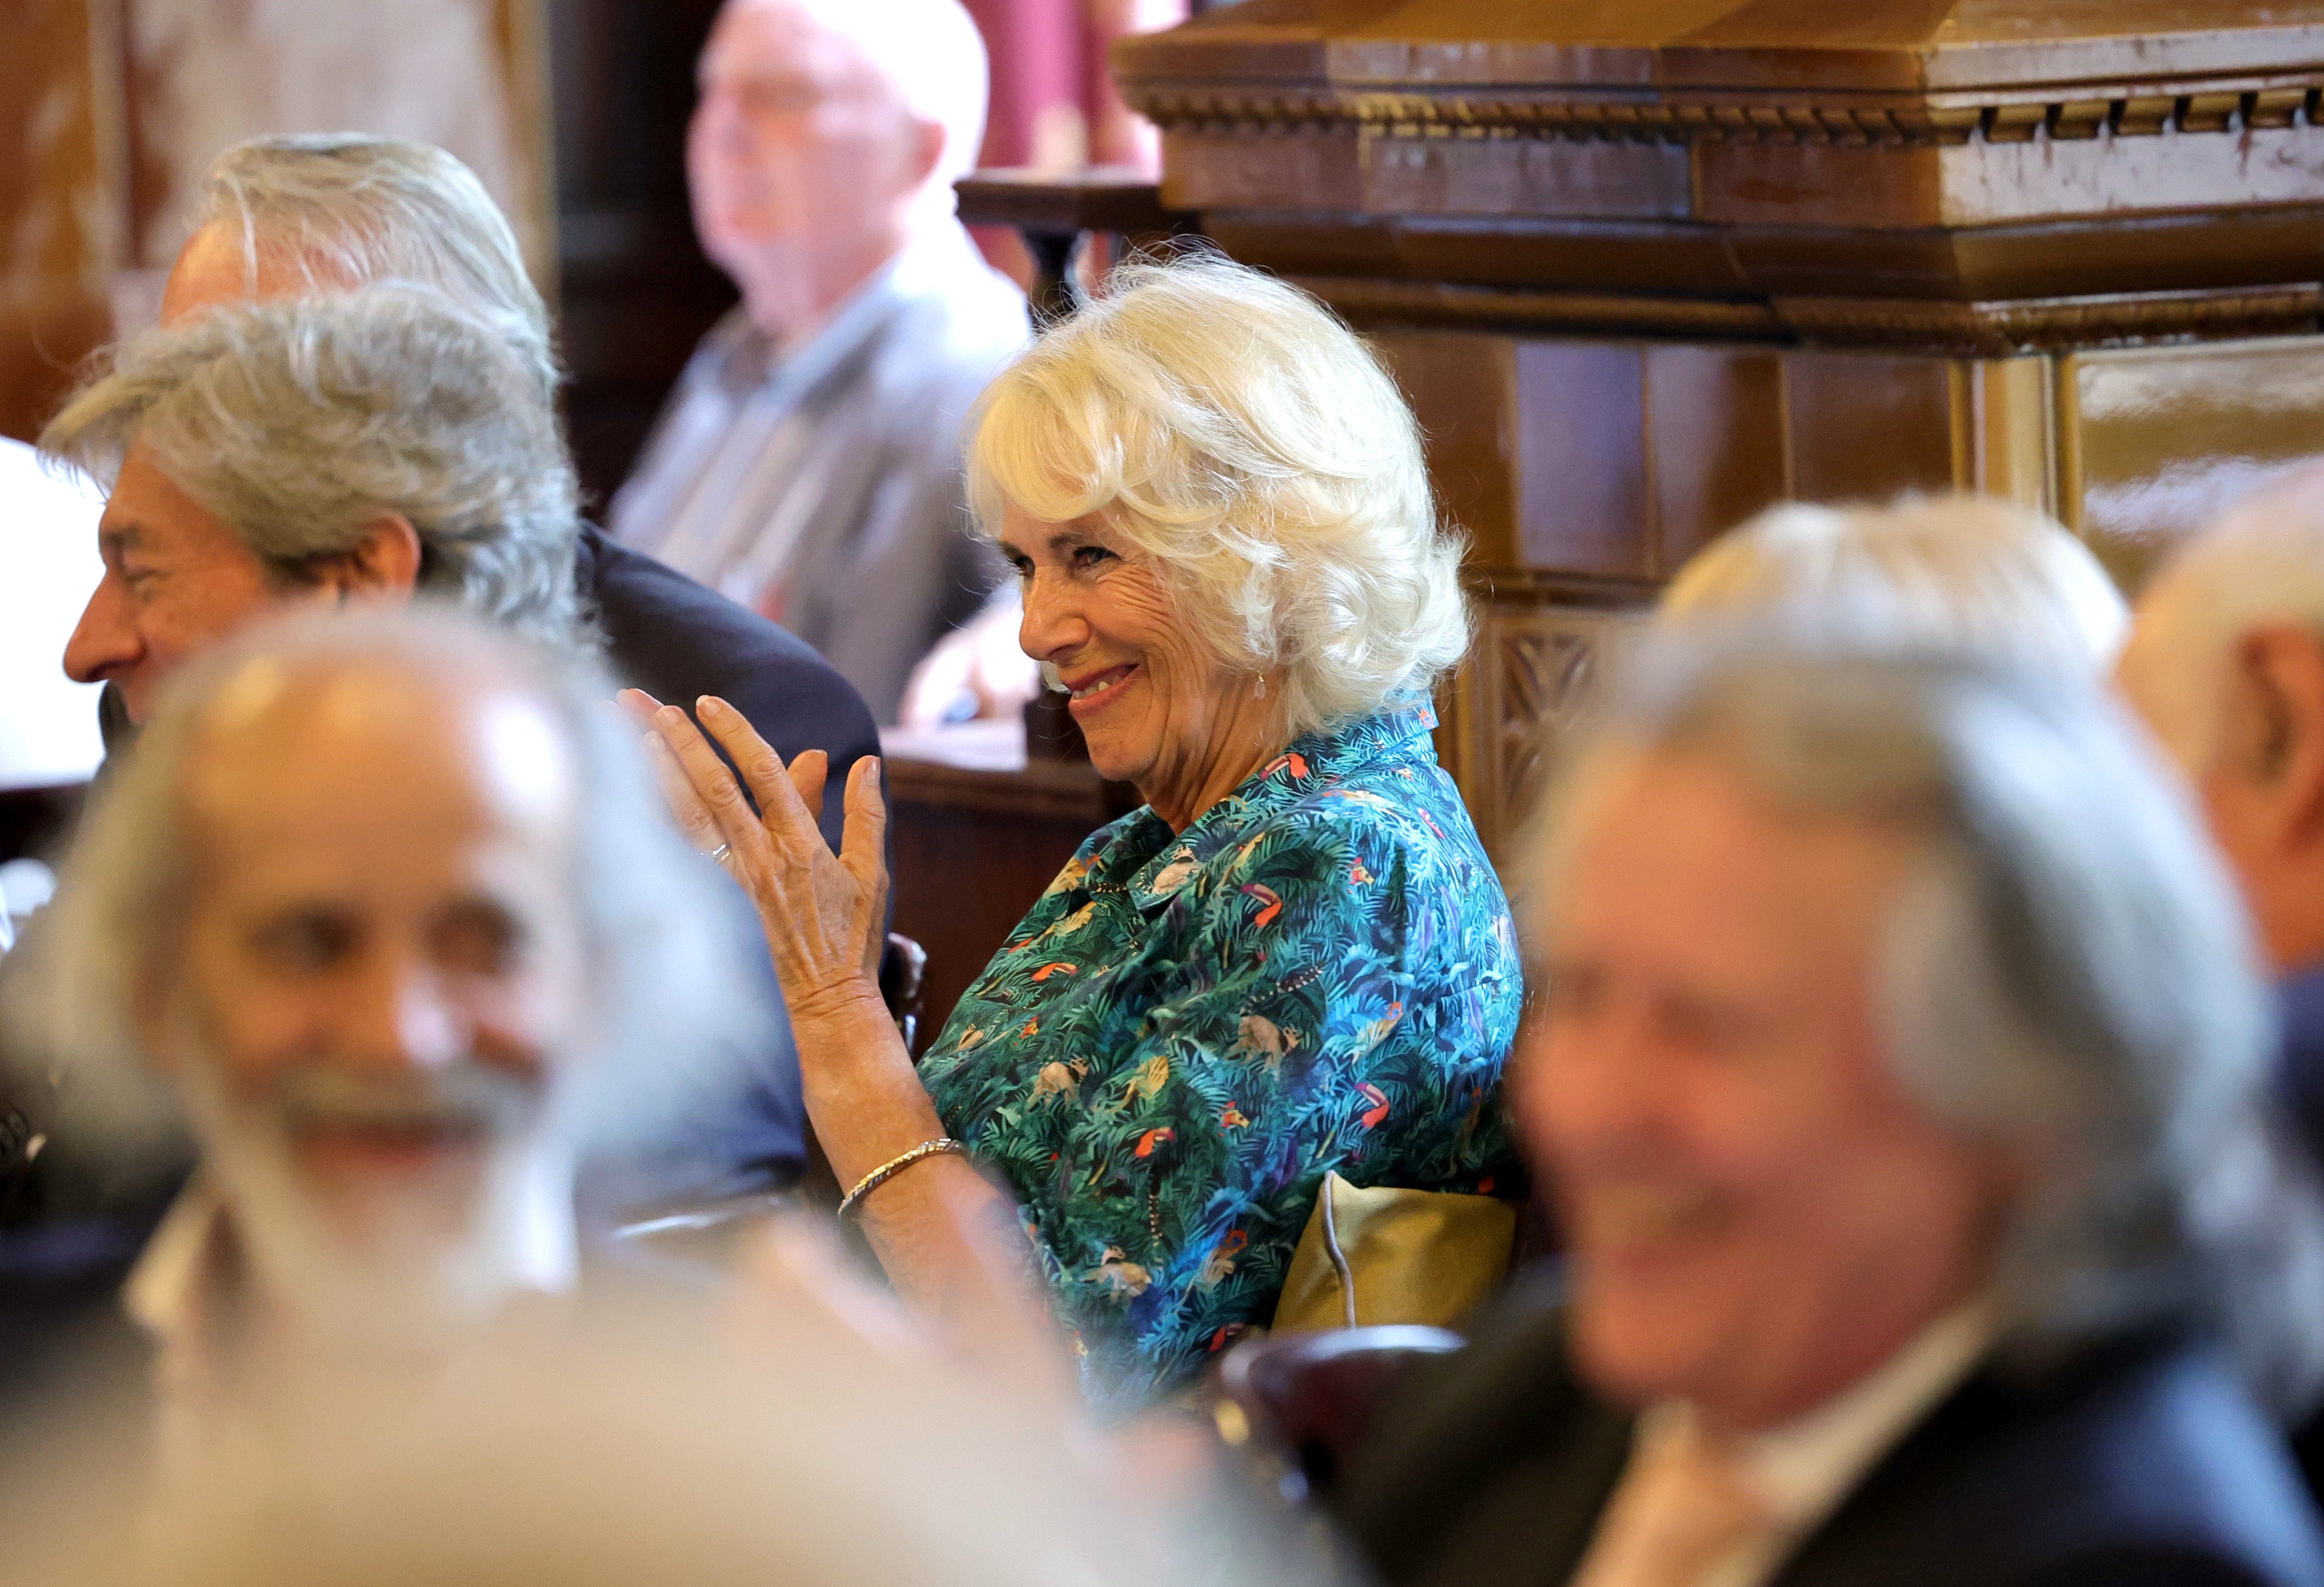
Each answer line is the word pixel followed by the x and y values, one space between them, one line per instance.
pixel 709 704
pixel 669 713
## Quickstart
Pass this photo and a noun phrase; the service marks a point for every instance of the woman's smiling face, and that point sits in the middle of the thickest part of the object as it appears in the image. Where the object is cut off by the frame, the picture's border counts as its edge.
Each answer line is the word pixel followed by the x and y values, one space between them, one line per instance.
pixel 1158 709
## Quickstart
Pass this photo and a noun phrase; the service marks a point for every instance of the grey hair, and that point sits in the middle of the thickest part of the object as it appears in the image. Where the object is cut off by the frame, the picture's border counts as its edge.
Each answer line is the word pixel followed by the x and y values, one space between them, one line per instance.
pixel 1257 454
pixel 670 1025
pixel 1932 569
pixel 350 208
pixel 299 422
pixel 2068 972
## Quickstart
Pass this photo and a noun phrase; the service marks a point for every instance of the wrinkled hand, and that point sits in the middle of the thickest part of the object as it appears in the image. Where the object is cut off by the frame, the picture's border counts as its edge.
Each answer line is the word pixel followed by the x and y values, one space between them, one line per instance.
pixel 825 914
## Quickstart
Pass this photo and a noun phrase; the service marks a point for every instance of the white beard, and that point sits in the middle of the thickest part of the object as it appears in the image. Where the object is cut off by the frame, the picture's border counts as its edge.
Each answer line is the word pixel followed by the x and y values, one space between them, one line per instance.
pixel 409 1285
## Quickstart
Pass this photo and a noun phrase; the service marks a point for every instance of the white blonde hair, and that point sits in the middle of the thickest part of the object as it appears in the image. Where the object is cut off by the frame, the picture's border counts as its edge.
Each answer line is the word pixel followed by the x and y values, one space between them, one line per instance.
pixel 1254 451
pixel 350 208
pixel 1968 570
pixel 299 422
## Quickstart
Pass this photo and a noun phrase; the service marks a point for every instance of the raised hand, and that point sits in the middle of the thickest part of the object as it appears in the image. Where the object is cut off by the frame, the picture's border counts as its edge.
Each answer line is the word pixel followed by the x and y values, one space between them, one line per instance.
pixel 825 914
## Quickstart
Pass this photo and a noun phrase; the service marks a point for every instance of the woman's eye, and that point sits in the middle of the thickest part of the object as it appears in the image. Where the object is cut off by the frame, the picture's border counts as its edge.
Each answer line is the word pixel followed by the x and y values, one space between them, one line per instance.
pixel 1090 556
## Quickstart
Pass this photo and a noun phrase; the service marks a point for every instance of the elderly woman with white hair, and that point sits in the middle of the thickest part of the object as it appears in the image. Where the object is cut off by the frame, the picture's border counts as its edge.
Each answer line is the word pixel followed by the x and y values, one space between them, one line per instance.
pixel 1973 570
pixel 1294 959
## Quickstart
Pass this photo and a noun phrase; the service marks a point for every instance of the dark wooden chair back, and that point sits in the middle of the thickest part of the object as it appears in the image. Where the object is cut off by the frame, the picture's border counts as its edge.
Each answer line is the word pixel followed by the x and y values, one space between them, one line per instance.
pixel 1308 1399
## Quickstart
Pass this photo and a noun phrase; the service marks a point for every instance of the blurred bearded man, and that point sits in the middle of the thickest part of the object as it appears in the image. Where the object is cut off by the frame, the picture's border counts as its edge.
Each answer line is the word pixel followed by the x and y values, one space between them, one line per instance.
pixel 392 909
pixel 807 464
pixel 1900 1076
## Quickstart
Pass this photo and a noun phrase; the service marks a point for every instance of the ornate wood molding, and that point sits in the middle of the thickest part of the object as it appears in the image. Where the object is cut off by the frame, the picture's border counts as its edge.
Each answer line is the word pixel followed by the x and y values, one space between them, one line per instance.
pixel 2054 324
pixel 1367 301
pixel 1843 122
pixel 1938 326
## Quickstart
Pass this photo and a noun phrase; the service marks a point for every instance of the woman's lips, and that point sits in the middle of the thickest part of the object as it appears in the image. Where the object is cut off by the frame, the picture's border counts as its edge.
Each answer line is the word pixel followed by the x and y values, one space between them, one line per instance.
pixel 1096 692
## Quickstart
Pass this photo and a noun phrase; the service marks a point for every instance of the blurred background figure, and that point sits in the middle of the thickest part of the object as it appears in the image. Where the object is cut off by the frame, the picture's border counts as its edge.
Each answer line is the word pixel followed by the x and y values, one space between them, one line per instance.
pixel 807 464
pixel 385 906
pixel 1901 1082
pixel 1970 570
pixel 2227 664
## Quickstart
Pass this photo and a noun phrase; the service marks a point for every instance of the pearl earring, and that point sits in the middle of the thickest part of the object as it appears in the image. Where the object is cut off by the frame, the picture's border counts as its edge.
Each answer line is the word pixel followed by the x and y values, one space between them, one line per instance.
pixel 1258 688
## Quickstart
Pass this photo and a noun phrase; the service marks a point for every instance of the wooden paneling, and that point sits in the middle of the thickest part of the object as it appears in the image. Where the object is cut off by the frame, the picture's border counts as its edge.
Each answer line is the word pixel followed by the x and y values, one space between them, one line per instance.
pixel 112 110
pixel 63 200
pixel 1859 427
pixel 2158 438
pixel 1461 388
pixel 1581 457
pixel 1715 436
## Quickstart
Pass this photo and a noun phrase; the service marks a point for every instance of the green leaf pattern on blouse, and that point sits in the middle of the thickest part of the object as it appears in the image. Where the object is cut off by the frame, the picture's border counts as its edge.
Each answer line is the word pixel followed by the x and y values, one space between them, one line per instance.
pixel 1189 1030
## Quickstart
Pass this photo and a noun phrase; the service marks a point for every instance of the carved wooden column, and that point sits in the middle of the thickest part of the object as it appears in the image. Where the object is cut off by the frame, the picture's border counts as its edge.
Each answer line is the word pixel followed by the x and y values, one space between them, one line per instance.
pixel 1645 268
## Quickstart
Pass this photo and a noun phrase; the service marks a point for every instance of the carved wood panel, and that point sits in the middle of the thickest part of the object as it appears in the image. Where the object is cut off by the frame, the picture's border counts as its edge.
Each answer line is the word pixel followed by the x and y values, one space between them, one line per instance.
pixel 1530 683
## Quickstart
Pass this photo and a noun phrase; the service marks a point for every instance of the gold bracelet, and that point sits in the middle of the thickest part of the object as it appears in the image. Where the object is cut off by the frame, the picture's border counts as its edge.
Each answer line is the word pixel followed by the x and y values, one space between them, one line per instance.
pixel 895 1166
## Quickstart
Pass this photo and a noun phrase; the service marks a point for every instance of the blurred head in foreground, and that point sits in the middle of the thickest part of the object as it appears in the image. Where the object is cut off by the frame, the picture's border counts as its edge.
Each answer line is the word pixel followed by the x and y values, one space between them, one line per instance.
pixel 1970 570
pixel 2226 665
pixel 392 908
pixel 639 1445
pixel 1879 985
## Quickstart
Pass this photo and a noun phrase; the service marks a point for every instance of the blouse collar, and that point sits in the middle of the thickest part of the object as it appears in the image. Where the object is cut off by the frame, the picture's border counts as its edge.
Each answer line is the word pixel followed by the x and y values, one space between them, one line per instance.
pixel 1309 765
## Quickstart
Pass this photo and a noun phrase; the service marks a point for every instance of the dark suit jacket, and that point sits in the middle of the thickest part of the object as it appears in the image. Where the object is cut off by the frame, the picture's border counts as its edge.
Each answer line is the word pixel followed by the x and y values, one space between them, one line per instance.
pixel 678 640
pixel 2300 1078
pixel 2140 1463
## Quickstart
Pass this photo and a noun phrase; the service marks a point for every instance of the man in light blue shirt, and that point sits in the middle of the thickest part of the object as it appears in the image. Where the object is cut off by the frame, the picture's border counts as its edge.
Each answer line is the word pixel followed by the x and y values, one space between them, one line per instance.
pixel 807 464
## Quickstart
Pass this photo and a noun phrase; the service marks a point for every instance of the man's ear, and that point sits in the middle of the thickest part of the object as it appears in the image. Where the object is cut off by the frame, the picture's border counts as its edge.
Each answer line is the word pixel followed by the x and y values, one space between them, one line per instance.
pixel 2276 728
pixel 927 150
pixel 384 562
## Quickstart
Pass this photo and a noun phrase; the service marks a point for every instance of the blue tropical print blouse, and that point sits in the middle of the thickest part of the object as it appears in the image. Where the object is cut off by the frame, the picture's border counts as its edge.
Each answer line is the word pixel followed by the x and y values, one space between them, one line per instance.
pixel 1191 1028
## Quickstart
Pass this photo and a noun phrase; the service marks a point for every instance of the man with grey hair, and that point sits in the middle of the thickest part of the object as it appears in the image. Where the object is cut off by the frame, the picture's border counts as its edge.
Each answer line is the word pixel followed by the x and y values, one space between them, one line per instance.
pixel 361 447
pixel 807 462
pixel 310 217
pixel 1899 1077
pixel 387 906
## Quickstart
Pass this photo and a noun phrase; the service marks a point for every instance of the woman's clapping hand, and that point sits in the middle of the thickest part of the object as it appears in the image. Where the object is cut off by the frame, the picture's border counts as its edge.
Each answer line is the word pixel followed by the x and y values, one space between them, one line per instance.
pixel 825 914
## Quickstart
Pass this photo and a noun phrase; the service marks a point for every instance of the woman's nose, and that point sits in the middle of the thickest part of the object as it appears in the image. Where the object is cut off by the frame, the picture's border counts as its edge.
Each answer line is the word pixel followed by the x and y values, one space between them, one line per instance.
pixel 1054 626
